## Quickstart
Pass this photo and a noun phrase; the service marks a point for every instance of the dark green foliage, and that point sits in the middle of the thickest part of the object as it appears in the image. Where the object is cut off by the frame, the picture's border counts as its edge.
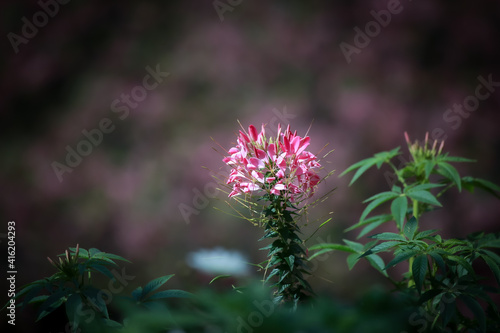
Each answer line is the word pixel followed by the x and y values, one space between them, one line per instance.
pixel 442 278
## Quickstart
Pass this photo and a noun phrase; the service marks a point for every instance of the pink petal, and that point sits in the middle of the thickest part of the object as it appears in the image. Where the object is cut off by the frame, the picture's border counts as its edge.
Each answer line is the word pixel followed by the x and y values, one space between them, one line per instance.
pixel 253 132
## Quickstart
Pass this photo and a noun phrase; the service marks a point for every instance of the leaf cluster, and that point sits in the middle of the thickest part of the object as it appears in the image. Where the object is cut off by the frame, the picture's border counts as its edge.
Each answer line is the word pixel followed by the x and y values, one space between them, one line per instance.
pixel 442 274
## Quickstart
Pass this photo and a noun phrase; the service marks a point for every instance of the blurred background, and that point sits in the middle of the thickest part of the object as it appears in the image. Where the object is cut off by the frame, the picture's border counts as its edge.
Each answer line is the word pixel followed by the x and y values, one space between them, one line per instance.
pixel 143 91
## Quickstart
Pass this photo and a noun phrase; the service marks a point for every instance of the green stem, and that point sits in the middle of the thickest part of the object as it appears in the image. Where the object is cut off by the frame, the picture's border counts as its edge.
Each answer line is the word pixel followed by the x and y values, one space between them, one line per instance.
pixel 396 172
pixel 415 209
pixel 285 255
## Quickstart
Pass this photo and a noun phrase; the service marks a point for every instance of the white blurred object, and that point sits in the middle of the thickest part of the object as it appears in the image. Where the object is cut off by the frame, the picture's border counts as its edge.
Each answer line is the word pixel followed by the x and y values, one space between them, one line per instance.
pixel 218 261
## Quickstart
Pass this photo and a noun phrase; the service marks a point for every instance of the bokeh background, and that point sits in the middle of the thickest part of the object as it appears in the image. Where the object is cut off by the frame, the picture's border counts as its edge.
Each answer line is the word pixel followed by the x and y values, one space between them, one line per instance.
pixel 252 61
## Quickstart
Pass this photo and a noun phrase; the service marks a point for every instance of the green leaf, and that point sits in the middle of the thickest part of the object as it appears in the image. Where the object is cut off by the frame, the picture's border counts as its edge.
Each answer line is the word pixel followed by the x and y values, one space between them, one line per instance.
pixel 469 183
pixel 73 307
pixel 438 259
pixel 377 262
pixel 274 272
pixel 451 173
pixel 355 246
pixel 410 227
pixel 449 308
pixel 463 263
pixel 317 254
pixel 172 293
pixel 402 256
pixel 399 206
pixel 425 233
pixel 103 270
pixel 155 284
pixel 363 165
pixel 374 219
pixel 455 159
pixel 104 255
pixel 224 276
pixel 352 259
pixel 137 293
pixel 34 290
pixel 493 266
pixel 95 297
pixel 388 236
pixel 93 251
pixel 419 270
pixel 429 166
pixel 378 199
pixel 492 255
pixel 290 260
pixel 331 246
pixel 422 187
pixel 380 247
pixel 51 303
pixel 476 309
pixel 424 196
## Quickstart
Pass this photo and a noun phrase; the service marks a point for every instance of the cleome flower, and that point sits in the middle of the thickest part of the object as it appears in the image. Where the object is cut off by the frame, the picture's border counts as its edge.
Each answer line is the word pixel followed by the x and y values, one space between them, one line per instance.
pixel 279 165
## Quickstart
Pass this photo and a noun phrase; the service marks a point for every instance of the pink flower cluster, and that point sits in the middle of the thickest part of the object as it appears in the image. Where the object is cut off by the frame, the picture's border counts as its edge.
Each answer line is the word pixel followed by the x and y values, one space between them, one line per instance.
pixel 280 165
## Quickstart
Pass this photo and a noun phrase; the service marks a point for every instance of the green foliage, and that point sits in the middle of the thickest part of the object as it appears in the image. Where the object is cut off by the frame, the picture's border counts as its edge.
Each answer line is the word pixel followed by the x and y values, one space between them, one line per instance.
pixel 85 304
pixel 442 274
